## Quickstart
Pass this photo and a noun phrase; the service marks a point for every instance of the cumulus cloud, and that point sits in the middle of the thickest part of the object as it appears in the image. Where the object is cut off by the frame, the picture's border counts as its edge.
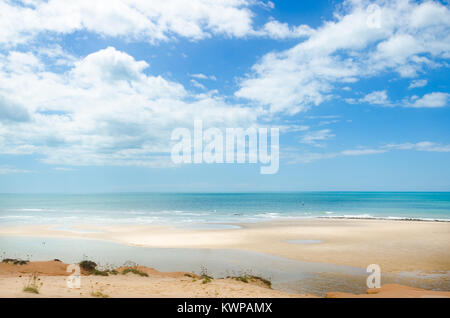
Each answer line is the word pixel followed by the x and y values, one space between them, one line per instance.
pixel 148 20
pixel 377 97
pixel 108 65
pixel 277 30
pixel 431 100
pixel 11 111
pixel 108 108
pixel 365 39
pixel 104 110
pixel 152 21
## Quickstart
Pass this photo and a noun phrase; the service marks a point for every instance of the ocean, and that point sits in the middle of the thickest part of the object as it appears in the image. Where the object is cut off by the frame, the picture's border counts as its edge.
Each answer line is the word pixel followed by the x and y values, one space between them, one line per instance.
pixel 217 209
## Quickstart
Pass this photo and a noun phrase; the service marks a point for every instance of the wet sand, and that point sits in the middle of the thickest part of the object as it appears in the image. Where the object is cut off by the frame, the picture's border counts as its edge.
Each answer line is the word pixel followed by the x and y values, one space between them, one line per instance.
pixel 395 246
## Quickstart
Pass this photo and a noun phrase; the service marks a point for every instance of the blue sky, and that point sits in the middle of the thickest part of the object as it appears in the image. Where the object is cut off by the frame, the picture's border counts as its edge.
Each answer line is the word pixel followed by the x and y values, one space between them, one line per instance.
pixel 89 94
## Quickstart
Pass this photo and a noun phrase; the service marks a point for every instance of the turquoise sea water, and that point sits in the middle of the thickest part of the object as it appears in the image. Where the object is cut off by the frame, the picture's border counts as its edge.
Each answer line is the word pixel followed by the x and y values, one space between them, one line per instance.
pixel 195 209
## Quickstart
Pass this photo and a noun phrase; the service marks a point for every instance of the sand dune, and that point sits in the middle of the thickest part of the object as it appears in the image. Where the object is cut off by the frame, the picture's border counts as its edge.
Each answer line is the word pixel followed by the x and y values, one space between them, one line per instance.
pixel 53 275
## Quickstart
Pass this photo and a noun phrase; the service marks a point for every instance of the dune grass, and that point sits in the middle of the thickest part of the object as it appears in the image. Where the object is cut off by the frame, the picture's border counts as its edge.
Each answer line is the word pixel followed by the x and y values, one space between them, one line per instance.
pixel 251 278
pixel 33 285
pixel 99 294
pixel 134 271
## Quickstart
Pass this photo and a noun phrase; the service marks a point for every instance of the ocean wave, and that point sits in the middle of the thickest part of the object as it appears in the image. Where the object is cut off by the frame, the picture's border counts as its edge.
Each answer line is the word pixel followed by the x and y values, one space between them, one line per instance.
pixel 17 217
pixel 270 215
pixel 371 217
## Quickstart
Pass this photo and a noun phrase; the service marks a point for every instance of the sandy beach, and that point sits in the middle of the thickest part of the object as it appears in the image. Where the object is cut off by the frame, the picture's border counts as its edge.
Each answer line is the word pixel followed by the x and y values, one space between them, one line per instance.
pixel 53 276
pixel 51 282
pixel 394 245
pixel 417 247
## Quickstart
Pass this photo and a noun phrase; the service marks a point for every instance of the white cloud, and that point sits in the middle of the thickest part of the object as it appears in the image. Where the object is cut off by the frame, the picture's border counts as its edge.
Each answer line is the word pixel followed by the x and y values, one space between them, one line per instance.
pixel 364 40
pixel 197 84
pixel 267 5
pixel 63 169
pixel 361 152
pixel 328 122
pixel 277 30
pixel 431 100
pixel 11 170
pixel 104 110
pixel 294 157
pixel 418 83
pixel 377 97
pixel 108 65
pixel 420 146
pixel 148 20
pixel 12 112
pixel 313 137
pixel 203 76
pixel 152 21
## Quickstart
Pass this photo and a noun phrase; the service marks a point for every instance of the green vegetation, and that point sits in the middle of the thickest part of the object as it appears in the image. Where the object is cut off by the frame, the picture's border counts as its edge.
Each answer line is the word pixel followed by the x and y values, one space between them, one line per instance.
pixel 99 294
pixel 14 261
pixel 99 273
pixel 251 278
pixel 204 275
pixel 206 279
pixel 134 271
pixel 241 278
pixel 91 268
pixel 88 266
pixel 29 289
pixel 33 285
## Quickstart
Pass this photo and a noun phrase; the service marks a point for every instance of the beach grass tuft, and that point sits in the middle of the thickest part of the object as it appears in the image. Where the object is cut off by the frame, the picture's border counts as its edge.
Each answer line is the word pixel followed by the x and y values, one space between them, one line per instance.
pixel 204 275
pixel 99 273
pixel 29 289
pixel 251 278
pixel 134 271
pixel 206 279
pixel 99 294
pixel 33 285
